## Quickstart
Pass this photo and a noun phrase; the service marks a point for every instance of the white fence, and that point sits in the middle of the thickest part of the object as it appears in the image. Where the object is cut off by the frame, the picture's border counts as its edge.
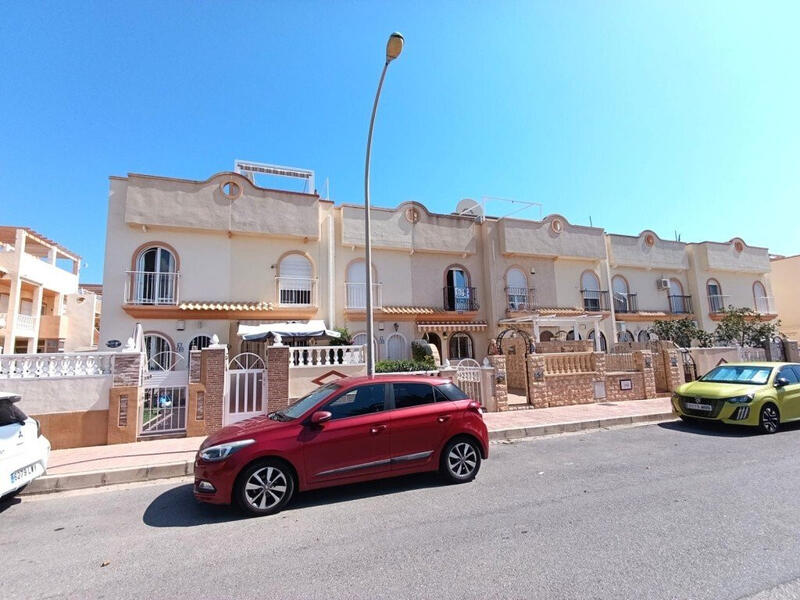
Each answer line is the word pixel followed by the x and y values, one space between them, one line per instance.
pixel 320 356
pixel 62 364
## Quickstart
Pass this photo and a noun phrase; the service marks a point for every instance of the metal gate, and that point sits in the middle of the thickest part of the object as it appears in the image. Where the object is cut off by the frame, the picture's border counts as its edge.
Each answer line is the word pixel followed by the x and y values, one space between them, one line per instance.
pixel 166 384
pixel 468 378
pixel 246 393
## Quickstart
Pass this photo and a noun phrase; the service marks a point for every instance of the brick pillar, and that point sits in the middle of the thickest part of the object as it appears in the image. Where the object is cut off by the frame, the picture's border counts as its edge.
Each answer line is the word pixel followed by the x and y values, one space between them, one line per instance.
pixel 674 369
pixel 208 402
pixel 125 397
pixel 643 360
pixel 277 377
pixel 538 395
pixel 498 361
pixel 599 378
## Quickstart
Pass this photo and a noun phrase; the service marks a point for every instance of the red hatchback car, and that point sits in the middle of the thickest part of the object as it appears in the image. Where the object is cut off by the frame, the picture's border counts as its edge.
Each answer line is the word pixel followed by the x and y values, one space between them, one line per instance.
pixel 352 430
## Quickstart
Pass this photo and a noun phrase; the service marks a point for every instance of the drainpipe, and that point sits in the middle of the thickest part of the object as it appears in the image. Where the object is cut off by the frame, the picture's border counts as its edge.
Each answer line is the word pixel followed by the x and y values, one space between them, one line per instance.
pixel 331 274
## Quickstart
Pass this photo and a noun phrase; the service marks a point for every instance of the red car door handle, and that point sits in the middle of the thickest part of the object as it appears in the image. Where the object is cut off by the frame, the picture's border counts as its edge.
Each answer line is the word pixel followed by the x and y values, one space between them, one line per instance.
pixel 377 428
pixel 443 418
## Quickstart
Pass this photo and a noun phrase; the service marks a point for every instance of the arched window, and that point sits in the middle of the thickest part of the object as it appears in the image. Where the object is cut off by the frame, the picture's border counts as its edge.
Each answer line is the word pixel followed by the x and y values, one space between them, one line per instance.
pixel 199 342
pixel 517 291
pixel 603 345
pixel 760 298
pixel 460 346
pixel 716 301
pixel 622 295
pixel 360 339
pixel 590 290
pixel 546 336
pixel 678 303
pixel 157 348
pixel 458 293
pixel 644 336
pixel 571 336
pixel 356 285
pixel 295 280
pixel 155 279
pixel 625 336
pixel 396 347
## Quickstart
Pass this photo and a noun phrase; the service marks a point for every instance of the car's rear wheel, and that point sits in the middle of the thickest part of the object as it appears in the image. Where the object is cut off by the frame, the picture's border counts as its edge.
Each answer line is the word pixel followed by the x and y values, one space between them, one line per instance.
pixel 461 460
pixel 769 419
pixel 265 487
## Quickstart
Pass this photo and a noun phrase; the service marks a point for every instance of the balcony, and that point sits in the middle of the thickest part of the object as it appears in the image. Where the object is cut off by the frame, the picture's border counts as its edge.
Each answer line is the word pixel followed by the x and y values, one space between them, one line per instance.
pixel 765 305
pixel 595 300
pixel 626 303
pixel 297 291
pixel 460 299
pixel 151 289
pixel 53 326
pixel 26 324
pixel 519 299
pixel 680 305
pixel 717 303
pixel 356 296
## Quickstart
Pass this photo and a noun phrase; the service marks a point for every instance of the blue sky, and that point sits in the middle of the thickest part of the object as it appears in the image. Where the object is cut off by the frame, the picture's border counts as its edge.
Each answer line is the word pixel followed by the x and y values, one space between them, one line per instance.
pixel 663 115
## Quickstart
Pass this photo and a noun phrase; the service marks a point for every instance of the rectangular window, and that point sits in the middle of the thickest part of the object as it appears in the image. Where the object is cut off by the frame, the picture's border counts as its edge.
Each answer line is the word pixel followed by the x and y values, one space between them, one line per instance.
pixel 412 394
pixel 452 392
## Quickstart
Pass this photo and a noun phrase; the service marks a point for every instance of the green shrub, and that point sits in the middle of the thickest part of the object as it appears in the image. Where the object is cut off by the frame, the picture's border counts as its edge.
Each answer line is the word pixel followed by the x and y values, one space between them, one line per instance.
pixel 404 366
pixel 421 350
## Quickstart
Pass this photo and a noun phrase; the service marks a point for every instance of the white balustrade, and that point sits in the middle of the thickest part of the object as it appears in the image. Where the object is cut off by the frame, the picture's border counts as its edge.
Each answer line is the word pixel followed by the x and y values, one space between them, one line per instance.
pixel 297 291
pixel 356 296
pixel 568 362
pixel 74 364
pixel 321 356
pixel 26 322
pixel 145 287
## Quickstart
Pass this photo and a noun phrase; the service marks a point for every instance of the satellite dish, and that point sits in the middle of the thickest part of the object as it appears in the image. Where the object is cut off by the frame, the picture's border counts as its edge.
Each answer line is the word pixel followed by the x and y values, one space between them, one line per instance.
pixel 471 207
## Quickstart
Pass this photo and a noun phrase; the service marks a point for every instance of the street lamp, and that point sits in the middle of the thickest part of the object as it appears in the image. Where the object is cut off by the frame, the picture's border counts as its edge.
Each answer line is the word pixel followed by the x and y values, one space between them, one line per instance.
pixel 393 49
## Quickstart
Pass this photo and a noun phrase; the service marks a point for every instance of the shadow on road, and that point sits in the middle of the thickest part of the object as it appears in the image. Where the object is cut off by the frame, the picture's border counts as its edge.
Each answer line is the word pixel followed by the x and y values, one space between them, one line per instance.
pixel 716 429
pixel 7 503
pixel 177 507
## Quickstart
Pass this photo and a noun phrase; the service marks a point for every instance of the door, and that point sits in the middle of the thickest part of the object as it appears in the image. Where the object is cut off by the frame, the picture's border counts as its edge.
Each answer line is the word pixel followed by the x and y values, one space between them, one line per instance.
pixel 458 292
pixel 789 395
pixel 355 442
pixel 421 421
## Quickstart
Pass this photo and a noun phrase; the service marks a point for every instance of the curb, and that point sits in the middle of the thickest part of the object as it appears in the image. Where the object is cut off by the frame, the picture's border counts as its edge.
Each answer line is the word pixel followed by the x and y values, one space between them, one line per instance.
pixel 89 479
pixel 516 433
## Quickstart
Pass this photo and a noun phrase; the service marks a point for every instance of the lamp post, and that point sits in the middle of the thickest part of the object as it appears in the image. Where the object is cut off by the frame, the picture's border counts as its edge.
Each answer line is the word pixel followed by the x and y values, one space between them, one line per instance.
pixel 393 49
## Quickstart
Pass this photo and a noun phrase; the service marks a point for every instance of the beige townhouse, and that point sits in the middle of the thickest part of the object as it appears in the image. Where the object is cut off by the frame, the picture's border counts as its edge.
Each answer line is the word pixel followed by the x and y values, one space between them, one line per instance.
pixel 43 308
pixel 190 260
pixel 786 276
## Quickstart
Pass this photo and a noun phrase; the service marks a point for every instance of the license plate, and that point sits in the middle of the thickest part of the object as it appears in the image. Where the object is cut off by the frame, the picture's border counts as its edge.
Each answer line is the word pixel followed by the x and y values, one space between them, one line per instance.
pixel 23 473
pixel 696 406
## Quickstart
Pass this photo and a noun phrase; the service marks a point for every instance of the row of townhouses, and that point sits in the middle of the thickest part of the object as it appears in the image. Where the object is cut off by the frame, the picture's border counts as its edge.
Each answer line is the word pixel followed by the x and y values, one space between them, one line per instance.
pixel 43 308
pixel 190 260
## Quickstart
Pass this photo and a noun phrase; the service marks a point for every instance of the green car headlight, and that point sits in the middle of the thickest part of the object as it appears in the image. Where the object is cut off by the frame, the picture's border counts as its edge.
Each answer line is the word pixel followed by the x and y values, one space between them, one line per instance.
pixel 741 399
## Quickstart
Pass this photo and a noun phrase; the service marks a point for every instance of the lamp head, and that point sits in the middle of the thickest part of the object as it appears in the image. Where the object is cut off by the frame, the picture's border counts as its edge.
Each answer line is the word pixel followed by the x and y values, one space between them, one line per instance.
pixel 394 46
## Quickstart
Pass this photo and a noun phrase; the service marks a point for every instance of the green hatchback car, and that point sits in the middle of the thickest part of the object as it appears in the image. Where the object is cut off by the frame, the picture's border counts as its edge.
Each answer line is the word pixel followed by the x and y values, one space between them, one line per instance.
pixel 762 395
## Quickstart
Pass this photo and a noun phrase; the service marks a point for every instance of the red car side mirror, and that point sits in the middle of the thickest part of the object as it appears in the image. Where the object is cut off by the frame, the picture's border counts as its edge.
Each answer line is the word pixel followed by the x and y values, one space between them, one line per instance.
pixel 320 417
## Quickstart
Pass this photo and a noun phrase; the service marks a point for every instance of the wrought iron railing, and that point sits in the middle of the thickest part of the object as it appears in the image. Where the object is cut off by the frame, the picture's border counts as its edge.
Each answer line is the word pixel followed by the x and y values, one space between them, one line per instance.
pixel 146 287
pixel 680 305
pixel 717 302
pixel 519 299
pixel 765 305
pixel 460 298
pixel 595 300
pixel 297 291
pixel 356 295
pixel 625 303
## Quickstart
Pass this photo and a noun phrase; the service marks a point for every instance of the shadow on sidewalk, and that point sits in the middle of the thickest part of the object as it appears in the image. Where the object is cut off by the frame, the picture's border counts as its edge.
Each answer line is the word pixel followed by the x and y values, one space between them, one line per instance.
pixel 717 429
pixel 177 507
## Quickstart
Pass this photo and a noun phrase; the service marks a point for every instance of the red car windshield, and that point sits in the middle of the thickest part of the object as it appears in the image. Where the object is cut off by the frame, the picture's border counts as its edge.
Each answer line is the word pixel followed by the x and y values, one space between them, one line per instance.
pixel 301 406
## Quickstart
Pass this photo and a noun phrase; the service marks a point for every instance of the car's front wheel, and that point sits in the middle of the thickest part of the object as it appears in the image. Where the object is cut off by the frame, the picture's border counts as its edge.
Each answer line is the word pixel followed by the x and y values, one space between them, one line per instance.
pixel 461 460
pixel 265 487
pixel 769 419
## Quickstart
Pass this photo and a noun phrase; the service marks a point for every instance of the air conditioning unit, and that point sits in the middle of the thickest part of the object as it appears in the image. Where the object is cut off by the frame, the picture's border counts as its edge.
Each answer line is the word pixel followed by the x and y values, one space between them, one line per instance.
pixel 662 284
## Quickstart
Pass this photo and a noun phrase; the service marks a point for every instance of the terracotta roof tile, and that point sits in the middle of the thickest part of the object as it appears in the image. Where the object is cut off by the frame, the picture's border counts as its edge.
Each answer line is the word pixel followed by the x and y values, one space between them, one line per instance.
pixel 408 310
pixel 226 306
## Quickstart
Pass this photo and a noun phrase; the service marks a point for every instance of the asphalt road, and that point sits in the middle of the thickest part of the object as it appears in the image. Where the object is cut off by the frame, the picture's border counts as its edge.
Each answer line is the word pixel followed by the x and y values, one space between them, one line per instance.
pixel 661 511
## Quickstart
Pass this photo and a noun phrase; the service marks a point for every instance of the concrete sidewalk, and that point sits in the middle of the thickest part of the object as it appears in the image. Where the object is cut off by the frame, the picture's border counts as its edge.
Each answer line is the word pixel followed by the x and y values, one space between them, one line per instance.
pixel 78 468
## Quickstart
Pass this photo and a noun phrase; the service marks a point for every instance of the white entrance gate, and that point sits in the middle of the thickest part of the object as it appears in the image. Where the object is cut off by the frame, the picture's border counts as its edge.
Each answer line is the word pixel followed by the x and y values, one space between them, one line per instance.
pixel 166 387
pixel 246 393
pixel 468 378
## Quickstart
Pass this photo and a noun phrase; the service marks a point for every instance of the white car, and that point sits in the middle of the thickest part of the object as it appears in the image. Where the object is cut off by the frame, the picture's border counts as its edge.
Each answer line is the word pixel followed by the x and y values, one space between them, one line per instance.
pixel 23 449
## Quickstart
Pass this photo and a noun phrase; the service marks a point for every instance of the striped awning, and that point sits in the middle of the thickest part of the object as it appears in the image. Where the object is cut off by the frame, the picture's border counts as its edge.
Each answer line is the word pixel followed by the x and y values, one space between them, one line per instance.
pixel 408 310
pixel 433 327
pixel 226 306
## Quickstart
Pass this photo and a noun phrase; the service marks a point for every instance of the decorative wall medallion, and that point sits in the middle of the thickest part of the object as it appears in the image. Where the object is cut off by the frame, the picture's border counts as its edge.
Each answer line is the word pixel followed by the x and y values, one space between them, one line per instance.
pixel 649 240
pixel 412 215
pixel 738 245
pixel 230 189
pixel 556 226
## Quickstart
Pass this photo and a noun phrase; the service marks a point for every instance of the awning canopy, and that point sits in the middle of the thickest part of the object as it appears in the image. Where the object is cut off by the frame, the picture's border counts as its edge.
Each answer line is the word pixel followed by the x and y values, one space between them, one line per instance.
pixel 433 327
pixel 258 333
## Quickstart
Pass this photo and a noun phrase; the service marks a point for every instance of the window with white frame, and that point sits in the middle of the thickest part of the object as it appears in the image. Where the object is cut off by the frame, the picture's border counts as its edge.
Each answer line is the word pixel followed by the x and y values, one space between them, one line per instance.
pixel 517 290
pixel 460 346
pixel 295 280
pixel 155 279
